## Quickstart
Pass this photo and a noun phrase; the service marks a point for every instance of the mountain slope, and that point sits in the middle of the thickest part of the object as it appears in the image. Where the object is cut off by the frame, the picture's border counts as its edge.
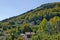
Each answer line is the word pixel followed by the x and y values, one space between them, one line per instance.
pixel 41 20
pixel 45 7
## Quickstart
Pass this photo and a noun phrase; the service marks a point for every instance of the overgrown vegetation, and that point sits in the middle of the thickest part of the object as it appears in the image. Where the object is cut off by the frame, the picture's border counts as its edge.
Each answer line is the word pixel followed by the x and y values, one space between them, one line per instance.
pixel 44 21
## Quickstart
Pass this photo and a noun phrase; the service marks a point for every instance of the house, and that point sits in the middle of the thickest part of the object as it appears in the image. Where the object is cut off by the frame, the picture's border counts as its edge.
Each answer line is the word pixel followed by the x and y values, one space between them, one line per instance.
pixel 29 34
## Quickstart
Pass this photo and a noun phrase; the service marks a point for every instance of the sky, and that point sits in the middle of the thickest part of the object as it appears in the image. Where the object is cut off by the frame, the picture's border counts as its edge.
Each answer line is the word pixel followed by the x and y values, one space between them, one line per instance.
pixel 10 8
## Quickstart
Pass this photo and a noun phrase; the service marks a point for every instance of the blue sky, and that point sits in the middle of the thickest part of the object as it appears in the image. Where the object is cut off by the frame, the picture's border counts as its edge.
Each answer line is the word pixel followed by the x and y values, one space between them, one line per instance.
pixel 10 8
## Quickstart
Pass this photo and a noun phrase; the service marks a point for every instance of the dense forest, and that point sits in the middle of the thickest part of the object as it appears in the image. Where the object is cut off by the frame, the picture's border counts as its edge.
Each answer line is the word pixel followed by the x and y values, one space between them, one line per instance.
pixel 44 21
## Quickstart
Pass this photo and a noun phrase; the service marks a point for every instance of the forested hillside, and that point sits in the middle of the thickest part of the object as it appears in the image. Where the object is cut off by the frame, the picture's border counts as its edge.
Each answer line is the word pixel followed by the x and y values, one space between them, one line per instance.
pixel 44 21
